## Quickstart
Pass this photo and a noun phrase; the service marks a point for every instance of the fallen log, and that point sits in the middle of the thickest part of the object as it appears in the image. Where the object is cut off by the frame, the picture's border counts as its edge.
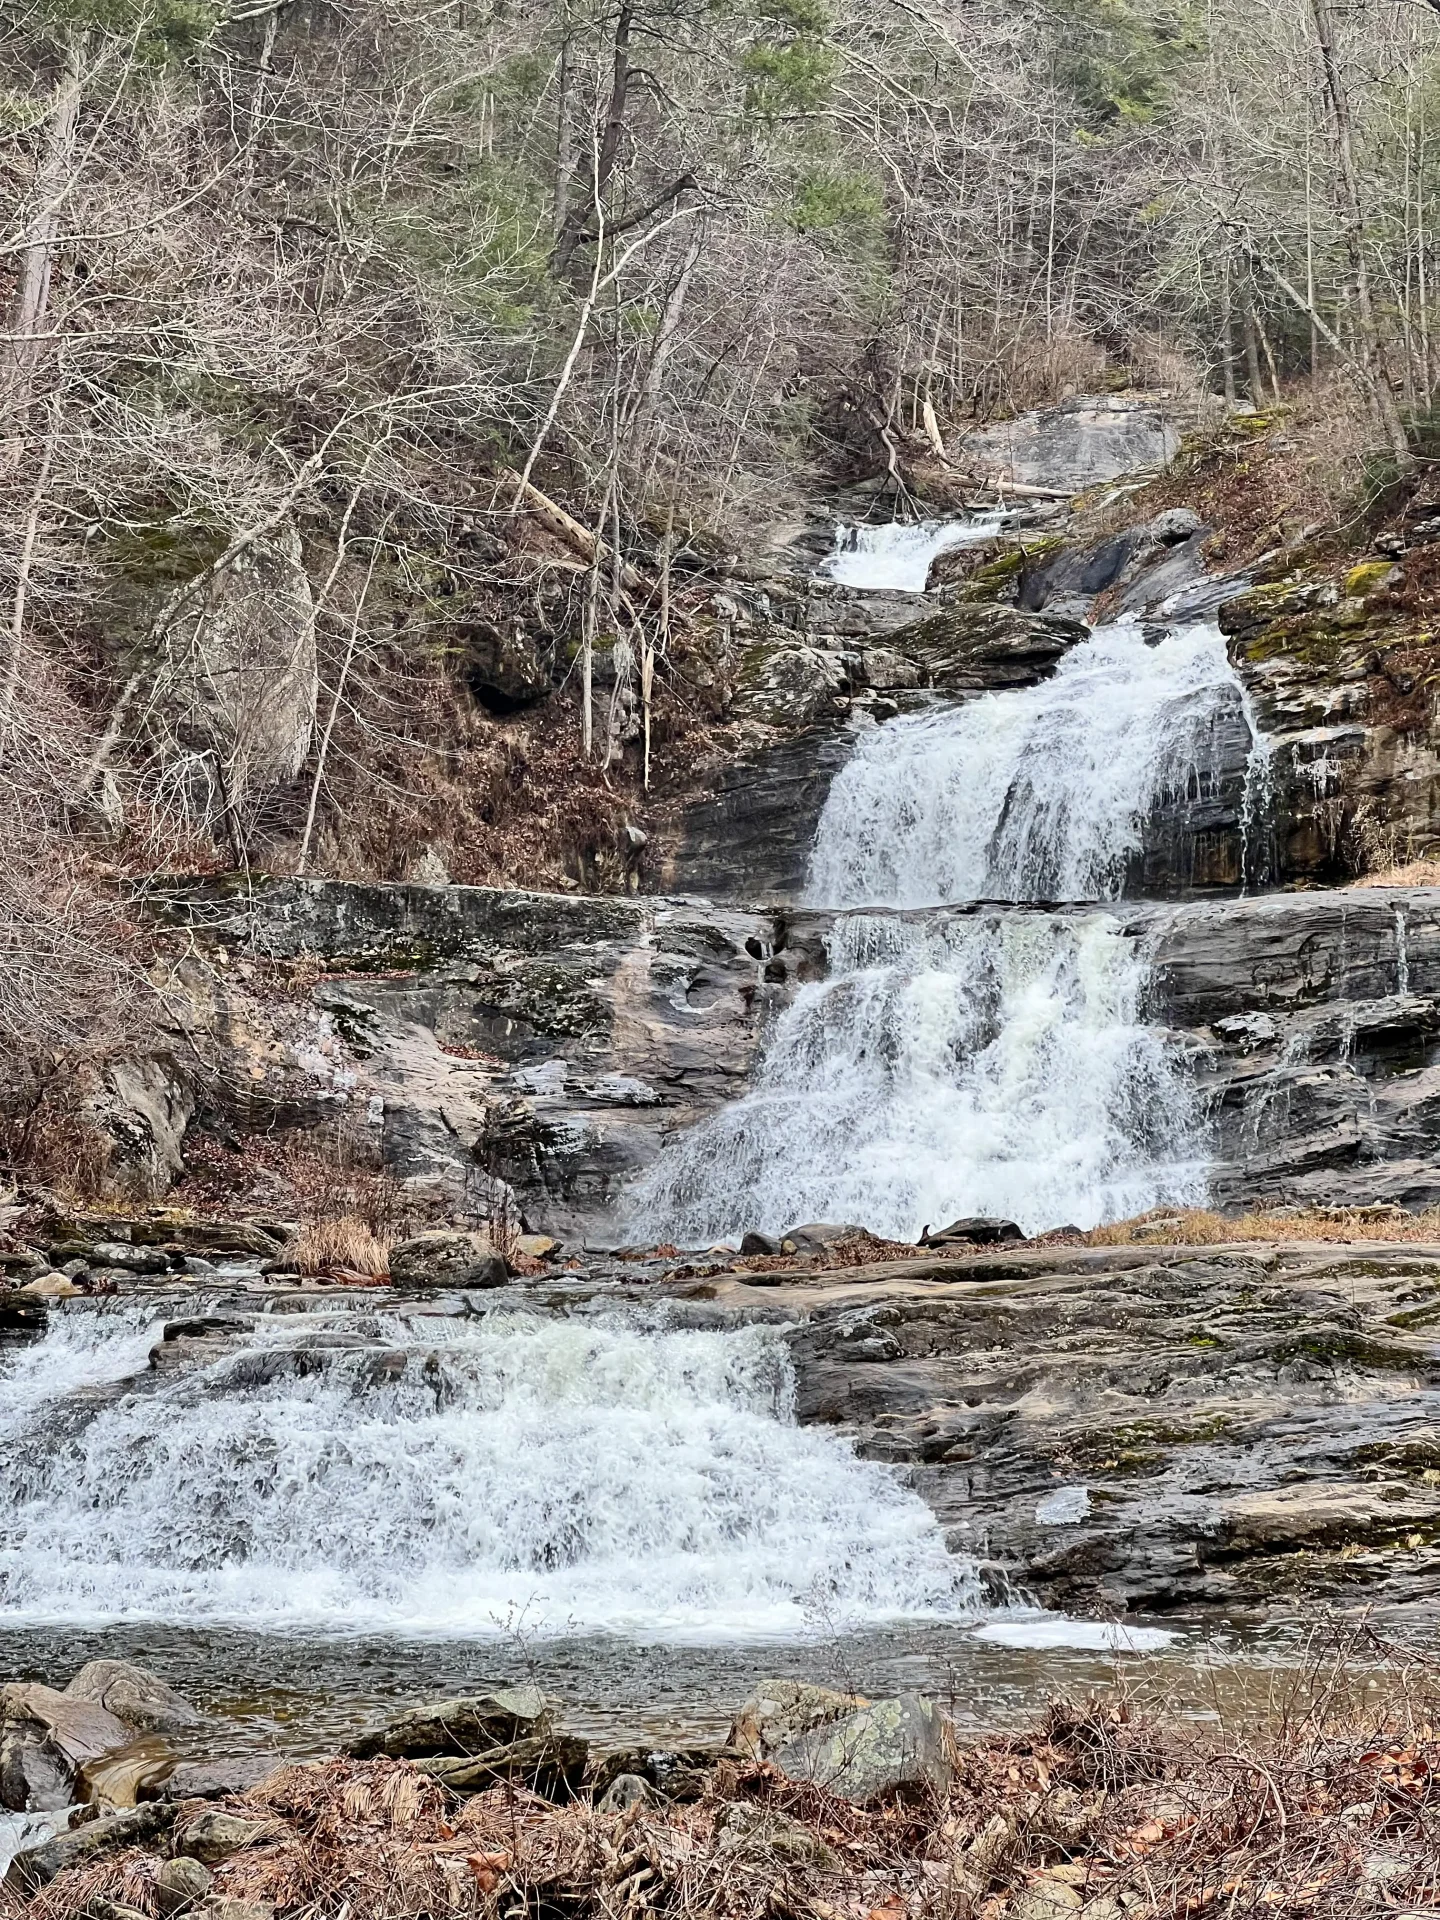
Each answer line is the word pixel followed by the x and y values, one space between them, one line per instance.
pixel 553 517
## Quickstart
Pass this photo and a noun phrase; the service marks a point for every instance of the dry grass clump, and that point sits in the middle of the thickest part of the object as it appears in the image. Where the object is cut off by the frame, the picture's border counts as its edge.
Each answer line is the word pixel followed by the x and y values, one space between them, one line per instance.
pixel 1099 1809
pixel 1198 1227
pixel 1411 873
pixel 341 1245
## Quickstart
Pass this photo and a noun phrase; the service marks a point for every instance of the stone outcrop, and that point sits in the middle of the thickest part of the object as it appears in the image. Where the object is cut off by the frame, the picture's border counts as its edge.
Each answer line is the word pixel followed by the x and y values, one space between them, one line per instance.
pixel 1342 683
pixel 1243 1422
pixel 553 1043
pixel 1081 443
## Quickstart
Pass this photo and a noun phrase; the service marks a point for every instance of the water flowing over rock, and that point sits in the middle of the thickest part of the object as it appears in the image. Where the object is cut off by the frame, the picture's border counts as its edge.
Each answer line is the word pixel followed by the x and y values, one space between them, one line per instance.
pixel 995 1065
pixel 1001 1066
pixel 460 1476
pixel 1038 794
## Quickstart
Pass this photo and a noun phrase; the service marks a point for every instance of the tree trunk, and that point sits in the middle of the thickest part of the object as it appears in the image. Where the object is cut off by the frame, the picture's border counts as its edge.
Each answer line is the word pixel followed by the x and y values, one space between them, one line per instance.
pixel 32 298
pixel 1373 357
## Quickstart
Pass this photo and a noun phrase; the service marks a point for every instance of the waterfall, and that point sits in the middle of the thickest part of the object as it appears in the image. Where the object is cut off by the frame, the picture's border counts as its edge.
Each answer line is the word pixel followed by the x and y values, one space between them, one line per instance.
pixel 1036 793
pixel 996 1062
pixel 897 558
pixel 470 1477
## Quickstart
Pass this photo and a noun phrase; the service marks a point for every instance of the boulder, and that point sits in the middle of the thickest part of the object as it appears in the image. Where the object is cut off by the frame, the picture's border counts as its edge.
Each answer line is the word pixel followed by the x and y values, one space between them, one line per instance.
pixel 180 1883
pixel 903 1745
pixel 464 1727
pixel 134 1695
pixel 47 1739
pixel 978 1231
pixel 49 1286
pixel 447 1259
pixel 119 1253
pixel 817 1235
pixel 213 1836
pixel 38 1866
pixel 779 1712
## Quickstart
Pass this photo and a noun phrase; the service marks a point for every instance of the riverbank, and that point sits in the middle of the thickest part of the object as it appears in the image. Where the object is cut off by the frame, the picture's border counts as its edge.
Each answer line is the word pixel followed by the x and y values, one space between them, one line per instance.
pixel 1102 1808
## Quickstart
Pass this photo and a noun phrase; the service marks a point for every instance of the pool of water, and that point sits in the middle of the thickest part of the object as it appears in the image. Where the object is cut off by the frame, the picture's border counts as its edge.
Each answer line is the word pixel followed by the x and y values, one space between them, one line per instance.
pixel 303 1696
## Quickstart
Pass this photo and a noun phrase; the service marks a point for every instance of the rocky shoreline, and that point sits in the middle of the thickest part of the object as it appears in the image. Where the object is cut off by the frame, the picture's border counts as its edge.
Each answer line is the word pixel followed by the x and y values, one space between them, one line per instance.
pixel 820 1804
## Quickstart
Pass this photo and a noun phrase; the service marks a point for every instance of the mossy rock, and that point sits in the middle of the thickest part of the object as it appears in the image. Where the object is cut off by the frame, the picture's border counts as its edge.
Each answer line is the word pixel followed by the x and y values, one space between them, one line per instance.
pixel 997 579
pixel 1369 576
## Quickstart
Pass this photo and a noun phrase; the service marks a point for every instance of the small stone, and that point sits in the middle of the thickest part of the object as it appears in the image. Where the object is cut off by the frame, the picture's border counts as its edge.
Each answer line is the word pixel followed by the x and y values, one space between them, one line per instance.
pixel 220 1906
pixel 1174 525
pixel 218 1779
pixel 755 1244
pixel 779 1711
pixel 536 1246
pixel 627 1790
pixel 180 1883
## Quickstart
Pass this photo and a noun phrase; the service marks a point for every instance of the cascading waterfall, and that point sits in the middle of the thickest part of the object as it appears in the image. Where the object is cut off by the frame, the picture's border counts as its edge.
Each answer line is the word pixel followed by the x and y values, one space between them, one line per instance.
pixel 1036 793
pixel 897 558
pixel 474 1477
pixel 997 1063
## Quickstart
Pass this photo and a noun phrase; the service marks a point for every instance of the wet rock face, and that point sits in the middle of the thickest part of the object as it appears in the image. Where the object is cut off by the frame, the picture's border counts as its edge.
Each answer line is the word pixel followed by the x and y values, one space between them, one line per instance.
pixel 1343 690
pixel 555 1043
pixel 1244 1422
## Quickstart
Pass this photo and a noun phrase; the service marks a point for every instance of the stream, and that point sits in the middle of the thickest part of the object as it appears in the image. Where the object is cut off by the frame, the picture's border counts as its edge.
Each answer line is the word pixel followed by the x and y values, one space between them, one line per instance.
pixel 328 1510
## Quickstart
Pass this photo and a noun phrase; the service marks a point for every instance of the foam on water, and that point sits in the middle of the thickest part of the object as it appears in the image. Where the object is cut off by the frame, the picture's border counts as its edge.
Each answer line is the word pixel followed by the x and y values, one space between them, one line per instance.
pixel 83 1349
pixel 545 1476
pixel 997 1065
pixel 896 556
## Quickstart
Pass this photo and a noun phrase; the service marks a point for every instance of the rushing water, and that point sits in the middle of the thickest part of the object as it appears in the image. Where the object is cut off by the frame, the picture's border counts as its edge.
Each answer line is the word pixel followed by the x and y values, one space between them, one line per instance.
pixel 475 1477
pixel 995 1063
pixel 897 557
pixel 1035 793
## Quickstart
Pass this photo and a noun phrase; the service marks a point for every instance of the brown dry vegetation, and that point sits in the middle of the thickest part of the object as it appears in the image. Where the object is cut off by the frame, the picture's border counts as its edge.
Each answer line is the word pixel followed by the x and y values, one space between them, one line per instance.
pixel 345 1244
pixel 1199 1227
pixel 1099 1809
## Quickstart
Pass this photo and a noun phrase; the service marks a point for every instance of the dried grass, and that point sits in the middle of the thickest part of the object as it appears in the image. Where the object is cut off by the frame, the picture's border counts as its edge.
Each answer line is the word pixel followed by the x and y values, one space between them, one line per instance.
pixel 345 1244
pixel 1412 873
pixel 1197 1227
pixel 1330 1811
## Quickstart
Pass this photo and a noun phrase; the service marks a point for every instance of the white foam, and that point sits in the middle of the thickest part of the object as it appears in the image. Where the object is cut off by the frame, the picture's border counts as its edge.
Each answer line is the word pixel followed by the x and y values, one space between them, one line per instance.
pixel 1045 1632
pixel 547 1476
pixel 82 1349
pixel 896 556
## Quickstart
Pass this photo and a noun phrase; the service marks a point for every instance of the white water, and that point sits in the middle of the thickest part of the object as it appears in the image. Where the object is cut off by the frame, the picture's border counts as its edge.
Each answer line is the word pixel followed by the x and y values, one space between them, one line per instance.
pixel 996 1063
pixel 81 1351
pixel 897 557
pixel 1036 793
pixel 518 1475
